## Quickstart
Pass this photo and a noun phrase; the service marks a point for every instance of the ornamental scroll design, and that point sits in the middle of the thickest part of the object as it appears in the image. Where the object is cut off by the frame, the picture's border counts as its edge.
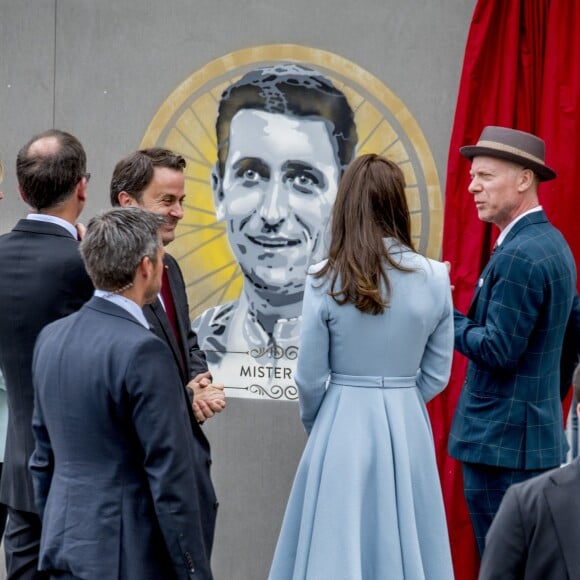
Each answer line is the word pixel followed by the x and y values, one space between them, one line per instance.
pixel 275 351
pixel 274 392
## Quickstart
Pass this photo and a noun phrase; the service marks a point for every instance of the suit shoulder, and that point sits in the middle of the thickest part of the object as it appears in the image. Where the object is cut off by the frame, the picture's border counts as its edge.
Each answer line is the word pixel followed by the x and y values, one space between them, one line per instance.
pixel 537 237
pixel 532 488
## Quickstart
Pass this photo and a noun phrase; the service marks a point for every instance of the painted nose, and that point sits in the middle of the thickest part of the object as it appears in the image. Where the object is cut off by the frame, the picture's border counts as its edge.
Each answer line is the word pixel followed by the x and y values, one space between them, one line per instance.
pixel 274 208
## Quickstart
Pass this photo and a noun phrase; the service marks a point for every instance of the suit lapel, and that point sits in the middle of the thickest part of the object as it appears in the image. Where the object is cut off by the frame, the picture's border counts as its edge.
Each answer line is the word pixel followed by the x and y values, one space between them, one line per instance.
pixel 157 317
pixel 175 282
pixel 530 219
pixel 481 282
pixel 564 504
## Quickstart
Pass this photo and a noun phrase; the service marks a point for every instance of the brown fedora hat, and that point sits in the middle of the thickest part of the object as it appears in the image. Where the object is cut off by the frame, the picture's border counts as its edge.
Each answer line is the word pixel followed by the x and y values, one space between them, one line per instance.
pixel 519 147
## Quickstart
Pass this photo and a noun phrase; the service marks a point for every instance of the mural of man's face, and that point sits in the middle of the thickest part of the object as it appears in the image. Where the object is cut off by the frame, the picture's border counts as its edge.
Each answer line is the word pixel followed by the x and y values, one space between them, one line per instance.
pixel 280 180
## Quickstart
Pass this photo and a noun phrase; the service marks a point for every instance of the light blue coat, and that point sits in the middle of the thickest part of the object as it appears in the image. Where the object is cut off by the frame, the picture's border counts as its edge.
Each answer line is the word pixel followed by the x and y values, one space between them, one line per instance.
pixel 366 501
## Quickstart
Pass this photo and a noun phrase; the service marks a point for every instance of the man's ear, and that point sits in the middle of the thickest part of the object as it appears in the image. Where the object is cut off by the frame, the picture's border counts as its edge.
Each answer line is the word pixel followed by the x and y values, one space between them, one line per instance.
pixel 145 268
pixel 126 200
pixel 527 178
pixel 81 190
pixel 218 193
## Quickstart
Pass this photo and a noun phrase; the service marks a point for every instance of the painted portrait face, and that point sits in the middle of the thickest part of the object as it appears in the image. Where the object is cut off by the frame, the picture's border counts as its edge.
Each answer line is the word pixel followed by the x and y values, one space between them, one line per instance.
pixel 276 195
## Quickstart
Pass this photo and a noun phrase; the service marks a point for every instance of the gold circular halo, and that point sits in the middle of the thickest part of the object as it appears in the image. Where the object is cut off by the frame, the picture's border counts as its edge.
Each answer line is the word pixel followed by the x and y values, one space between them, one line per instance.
pixel 185 123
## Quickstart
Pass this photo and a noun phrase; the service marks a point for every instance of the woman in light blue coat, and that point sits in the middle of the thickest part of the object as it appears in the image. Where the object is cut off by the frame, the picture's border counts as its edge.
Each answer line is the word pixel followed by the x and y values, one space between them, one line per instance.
pixel 376 345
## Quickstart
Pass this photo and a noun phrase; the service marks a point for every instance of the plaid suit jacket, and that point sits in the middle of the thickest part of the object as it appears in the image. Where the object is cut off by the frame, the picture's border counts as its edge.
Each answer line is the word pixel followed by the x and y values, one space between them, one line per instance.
pixel 509 412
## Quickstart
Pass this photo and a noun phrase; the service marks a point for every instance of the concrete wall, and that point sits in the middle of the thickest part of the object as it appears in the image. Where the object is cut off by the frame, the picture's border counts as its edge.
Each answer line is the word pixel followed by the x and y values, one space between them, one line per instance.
pixel 102 70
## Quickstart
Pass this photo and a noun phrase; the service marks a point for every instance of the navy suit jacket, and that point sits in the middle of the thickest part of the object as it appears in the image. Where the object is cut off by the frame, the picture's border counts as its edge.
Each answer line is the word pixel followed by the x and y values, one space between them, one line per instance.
pixel 115 469
pixel 42 279
pixel 509 412
pixel 186 350
pixel 535 533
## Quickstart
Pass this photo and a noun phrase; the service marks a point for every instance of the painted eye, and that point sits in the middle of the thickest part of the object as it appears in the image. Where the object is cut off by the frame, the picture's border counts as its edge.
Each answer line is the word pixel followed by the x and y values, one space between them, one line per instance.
pixel 251 175
pixel 302 180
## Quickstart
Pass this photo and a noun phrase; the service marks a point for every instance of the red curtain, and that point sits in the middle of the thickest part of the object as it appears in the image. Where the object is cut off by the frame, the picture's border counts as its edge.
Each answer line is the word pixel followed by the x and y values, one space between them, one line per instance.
pixel 521 69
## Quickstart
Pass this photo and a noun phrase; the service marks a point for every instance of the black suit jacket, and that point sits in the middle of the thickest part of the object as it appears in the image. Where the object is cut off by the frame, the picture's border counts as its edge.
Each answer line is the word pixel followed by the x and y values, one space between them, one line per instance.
pixel 117 475
pixel 534 535
pixel 188 350
pixel 42 279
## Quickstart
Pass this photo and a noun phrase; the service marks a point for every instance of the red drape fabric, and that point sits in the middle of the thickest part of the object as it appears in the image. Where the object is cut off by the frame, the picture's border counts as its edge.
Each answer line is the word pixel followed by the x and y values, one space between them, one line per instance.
pixel 521 69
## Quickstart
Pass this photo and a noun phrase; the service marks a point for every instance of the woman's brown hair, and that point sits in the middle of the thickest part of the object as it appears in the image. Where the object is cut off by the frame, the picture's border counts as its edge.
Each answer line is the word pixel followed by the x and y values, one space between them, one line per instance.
pixel 370 205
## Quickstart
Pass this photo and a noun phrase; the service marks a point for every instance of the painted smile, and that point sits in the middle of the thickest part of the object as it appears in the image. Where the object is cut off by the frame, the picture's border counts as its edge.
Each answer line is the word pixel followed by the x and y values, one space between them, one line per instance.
pixel 273 241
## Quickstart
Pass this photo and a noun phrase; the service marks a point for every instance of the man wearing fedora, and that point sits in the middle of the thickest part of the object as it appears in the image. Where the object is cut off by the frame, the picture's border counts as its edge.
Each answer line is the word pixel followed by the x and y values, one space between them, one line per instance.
pixel 508 425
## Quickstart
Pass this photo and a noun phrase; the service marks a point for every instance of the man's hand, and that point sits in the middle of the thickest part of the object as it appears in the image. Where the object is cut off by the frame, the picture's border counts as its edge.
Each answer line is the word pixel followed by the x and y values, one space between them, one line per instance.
pixel 208 398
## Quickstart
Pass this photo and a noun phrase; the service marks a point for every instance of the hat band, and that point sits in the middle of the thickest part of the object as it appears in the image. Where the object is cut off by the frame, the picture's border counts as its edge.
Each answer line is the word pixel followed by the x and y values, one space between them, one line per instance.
pixel 509 149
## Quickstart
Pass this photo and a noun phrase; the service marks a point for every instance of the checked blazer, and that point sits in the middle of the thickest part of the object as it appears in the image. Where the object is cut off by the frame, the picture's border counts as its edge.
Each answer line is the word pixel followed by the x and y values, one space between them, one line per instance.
pixel 509 412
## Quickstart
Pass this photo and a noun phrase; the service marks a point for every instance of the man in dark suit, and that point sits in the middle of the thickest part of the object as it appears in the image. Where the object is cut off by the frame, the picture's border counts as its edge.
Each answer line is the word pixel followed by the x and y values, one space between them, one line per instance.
pixel 43 279
pixel 534 535
pixel 117 474
pixel 153 179
pixel 508 423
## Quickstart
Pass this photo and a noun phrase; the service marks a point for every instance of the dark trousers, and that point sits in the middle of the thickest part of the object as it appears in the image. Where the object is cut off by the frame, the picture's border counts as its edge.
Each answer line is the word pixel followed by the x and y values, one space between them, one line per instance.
pixel 484 487
pixel 22 545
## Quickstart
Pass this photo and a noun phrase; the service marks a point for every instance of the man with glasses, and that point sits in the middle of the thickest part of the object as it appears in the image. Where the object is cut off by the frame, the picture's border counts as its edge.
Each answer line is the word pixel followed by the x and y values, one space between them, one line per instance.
pixel 43 279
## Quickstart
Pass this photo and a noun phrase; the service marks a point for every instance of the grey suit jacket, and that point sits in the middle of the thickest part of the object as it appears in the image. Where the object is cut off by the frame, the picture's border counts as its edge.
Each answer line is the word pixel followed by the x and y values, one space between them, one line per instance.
pixel 43 278
pixel 534 535
pixel 116 471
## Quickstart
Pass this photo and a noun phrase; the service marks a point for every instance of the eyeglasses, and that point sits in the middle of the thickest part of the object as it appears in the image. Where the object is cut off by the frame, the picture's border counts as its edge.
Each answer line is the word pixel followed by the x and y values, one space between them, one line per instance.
pixel 87 176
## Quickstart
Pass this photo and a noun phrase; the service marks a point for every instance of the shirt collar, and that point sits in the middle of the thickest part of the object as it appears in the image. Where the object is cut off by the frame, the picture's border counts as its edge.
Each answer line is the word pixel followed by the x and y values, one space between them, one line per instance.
pixel 126 304
pixel 507 229
pixel 52 219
